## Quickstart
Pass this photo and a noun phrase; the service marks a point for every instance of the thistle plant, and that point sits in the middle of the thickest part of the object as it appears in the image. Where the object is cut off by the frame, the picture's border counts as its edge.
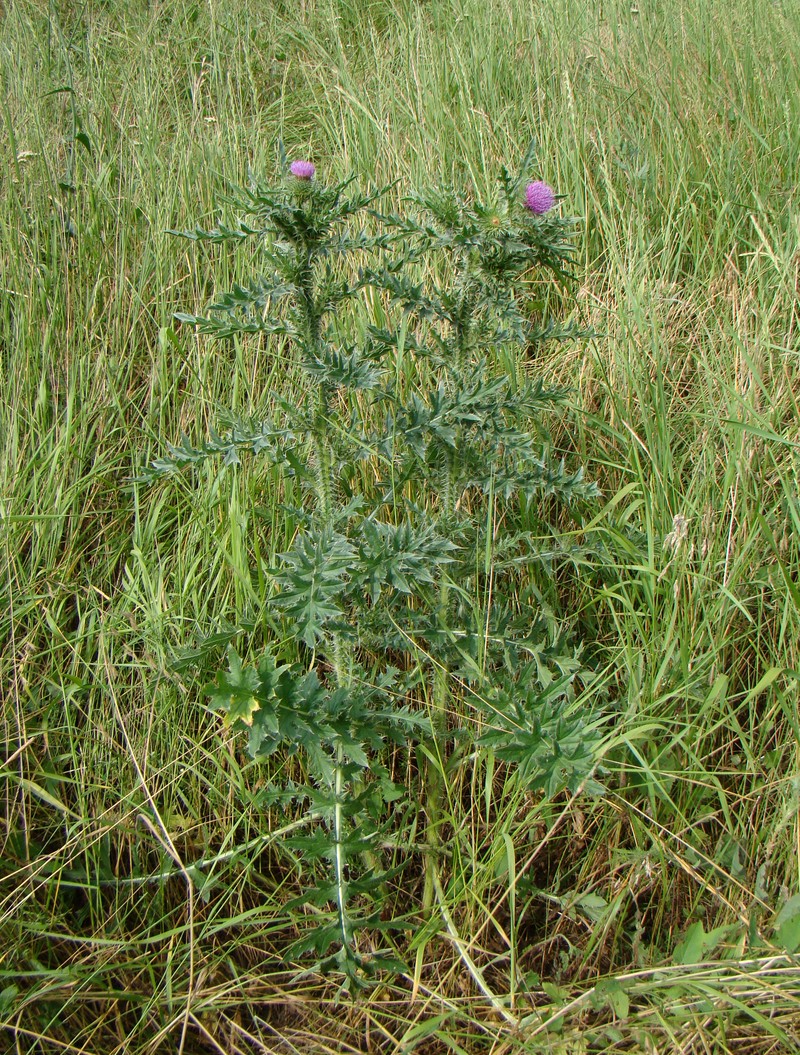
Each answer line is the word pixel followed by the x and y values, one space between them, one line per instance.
pixel 401 474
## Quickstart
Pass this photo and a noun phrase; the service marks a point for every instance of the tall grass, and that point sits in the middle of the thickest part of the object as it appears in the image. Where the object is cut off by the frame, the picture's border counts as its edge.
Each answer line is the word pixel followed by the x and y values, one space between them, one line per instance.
pixel 142 878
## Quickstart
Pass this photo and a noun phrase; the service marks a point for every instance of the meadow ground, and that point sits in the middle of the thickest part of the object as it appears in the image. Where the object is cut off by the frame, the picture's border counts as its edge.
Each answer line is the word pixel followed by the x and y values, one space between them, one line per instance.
pixel 141 890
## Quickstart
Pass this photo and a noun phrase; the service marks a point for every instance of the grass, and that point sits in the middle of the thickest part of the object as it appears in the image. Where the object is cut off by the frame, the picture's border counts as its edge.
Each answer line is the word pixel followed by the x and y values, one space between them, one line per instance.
pixel 143 878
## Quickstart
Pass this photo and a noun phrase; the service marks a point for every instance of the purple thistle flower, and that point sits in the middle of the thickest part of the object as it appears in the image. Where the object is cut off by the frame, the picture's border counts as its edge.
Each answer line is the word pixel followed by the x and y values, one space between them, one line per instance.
pixel 539 197
pixel 302 169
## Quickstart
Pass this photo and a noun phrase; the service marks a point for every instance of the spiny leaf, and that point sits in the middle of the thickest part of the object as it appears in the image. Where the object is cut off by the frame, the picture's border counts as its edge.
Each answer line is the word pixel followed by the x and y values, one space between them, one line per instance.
pixel 258 437
pixel 343 369
pixel 401 556
pixel 234 692
pixel 218 235
pixel 312 578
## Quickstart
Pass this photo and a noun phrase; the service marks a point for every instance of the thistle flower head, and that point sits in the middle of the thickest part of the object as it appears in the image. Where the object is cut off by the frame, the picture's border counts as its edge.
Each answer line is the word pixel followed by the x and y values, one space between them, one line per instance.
pixel 539 197
pixel 302 169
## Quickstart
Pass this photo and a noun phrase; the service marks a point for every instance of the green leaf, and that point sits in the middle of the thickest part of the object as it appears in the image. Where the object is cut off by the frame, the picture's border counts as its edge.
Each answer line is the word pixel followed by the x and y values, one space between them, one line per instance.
pixel 543 734
pixel 218 235
pixel 258 437
pixel 7 996
pixel 557 993
pixel 619 1002
pixel 698 945
pixel 400 556
pixel 414 1034
pixel 787 925
pixel 610 993
pixel 343 369
pixel 592 905
pixel 234 692
pixel 312 578
pixel 691 949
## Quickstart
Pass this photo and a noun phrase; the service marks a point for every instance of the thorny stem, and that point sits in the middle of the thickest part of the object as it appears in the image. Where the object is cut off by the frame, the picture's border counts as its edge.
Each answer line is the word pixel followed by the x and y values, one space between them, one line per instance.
pixel 323 478
pixel 313 334
pixel 341 895
pixel 322 463
pixel 462 341
pixel 309 308
pixel 464 325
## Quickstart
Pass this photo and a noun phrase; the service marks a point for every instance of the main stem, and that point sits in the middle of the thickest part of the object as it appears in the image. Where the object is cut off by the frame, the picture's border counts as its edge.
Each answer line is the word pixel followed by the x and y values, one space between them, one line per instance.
pixel 462 341
pixel 324 486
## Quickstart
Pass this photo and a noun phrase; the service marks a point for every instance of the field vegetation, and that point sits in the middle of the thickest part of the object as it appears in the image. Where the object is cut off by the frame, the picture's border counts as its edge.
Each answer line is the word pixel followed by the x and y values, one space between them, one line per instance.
pixel 147 892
